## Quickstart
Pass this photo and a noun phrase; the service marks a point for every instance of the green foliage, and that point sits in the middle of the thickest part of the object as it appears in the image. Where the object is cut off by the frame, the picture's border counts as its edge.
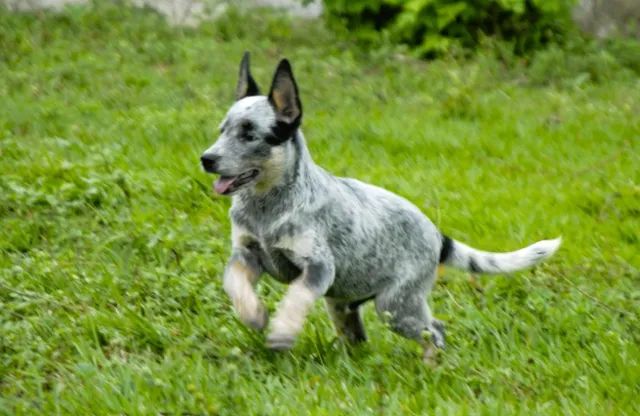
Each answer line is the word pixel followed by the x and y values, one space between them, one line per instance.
pixel 436 26
pixel 112 242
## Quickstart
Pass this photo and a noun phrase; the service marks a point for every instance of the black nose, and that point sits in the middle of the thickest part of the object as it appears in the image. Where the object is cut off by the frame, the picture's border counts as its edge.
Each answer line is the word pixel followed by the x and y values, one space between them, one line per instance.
pixel 209 162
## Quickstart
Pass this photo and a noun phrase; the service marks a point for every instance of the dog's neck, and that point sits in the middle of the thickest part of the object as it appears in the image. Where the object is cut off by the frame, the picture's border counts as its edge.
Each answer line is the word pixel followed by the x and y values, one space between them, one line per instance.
pixel 293 177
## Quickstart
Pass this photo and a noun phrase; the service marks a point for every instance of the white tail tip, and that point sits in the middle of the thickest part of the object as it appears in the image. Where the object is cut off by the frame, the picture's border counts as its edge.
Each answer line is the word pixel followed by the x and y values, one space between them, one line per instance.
pixel 549 246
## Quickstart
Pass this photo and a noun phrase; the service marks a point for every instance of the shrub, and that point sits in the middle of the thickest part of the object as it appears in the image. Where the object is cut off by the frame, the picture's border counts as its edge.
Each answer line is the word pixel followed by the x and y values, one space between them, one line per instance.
pixel 434 26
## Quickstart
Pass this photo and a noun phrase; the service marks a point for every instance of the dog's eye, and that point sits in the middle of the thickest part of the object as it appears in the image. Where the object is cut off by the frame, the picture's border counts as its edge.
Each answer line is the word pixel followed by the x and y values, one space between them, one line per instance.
pixel 246 131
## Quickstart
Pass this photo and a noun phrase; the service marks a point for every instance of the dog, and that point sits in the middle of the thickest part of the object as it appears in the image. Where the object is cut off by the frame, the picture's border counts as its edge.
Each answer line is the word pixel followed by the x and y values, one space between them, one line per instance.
pixel 326 236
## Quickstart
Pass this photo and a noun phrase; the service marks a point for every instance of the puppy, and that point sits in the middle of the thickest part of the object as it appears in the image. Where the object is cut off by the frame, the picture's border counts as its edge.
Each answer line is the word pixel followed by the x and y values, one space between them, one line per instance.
pixel 325 236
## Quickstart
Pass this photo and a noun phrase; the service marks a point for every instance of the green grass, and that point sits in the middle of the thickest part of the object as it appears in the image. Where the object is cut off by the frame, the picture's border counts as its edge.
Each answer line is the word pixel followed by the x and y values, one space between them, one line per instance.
pixel 112 244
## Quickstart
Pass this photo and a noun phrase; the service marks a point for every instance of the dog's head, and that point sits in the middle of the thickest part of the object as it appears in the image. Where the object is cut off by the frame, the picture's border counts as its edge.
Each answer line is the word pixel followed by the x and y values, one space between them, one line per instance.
pixel 256 133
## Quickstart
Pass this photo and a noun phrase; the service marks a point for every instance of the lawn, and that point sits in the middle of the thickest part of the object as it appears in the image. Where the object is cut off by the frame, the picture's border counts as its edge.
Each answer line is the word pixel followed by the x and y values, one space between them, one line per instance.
pixel 112 241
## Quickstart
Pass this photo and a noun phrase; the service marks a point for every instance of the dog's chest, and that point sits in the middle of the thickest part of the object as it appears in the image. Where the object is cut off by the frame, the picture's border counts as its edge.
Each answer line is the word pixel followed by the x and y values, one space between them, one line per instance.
pixel 273 258
pixel 278 265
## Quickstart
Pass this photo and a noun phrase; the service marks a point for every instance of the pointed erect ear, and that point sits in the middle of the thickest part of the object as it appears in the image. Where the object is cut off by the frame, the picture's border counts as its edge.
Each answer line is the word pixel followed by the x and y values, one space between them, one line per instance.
pixel 284 95
pixel 246 85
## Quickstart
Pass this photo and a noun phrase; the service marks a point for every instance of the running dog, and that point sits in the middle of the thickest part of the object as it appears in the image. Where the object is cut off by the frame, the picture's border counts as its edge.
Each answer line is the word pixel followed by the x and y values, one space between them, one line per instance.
pixel 325 236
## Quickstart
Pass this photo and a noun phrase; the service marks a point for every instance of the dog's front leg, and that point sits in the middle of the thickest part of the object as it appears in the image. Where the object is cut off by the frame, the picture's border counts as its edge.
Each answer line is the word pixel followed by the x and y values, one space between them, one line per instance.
pixel 240 277
pixel 316 278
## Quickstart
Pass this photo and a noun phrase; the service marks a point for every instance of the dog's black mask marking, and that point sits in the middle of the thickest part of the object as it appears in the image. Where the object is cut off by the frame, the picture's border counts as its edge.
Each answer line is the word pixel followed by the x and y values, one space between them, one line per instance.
pixel 282 132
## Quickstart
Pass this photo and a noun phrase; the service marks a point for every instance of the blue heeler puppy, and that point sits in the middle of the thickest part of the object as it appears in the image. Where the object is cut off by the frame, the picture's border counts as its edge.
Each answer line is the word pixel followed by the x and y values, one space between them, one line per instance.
pixel 325 236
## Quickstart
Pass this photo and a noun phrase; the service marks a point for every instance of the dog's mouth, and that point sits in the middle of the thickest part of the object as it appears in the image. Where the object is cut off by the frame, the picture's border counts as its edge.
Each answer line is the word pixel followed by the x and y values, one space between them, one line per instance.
pixel 226 185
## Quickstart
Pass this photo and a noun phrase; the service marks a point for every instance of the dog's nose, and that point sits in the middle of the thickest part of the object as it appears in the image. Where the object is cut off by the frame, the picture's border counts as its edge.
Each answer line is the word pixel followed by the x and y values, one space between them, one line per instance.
pixel 209 162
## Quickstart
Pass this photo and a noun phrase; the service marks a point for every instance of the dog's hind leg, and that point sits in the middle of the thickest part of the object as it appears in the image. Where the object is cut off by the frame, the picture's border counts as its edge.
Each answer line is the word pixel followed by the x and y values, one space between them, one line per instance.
pixel 347 320
pixel 405 308
pixel 240 277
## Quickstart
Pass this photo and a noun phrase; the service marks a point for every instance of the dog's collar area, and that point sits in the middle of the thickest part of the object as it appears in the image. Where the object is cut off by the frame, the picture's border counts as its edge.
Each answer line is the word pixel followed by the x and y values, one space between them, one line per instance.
pixel 225 185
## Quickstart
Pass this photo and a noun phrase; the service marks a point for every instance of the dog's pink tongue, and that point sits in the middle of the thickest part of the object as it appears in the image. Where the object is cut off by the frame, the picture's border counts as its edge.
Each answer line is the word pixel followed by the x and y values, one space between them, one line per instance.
pixel 222 184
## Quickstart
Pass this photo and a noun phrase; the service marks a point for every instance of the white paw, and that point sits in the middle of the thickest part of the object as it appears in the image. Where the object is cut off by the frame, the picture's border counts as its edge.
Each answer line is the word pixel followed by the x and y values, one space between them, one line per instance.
pixel 280 342
pixel 258 319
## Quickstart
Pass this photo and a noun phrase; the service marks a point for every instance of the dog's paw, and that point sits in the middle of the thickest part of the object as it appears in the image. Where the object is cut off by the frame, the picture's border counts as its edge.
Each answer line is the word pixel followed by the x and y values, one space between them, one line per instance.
pixel 280 342
pixel 354 338
pixel 258 320
pixel 430 356
pixel 438 336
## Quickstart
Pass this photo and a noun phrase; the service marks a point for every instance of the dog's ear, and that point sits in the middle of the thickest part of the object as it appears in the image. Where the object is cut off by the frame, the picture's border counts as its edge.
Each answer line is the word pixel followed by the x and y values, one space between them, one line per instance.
pixel 246 85
pixel 284 95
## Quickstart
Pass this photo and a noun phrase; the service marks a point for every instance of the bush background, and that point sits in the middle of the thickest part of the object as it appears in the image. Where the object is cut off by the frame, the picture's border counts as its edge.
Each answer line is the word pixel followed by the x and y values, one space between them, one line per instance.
pixel 433 27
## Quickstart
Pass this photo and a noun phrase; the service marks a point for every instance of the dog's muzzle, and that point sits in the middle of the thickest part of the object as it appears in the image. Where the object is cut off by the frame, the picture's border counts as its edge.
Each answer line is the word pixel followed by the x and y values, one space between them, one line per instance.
pixel 209 163
pixel 226 185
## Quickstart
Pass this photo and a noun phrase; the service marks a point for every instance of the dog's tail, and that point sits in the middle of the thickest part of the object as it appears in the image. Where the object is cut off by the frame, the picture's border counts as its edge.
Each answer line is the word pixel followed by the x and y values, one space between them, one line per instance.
pixel 461 256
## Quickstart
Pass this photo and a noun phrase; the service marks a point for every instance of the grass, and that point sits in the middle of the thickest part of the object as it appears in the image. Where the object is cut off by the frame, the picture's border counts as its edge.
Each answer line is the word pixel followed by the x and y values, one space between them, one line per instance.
pixel 112 244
